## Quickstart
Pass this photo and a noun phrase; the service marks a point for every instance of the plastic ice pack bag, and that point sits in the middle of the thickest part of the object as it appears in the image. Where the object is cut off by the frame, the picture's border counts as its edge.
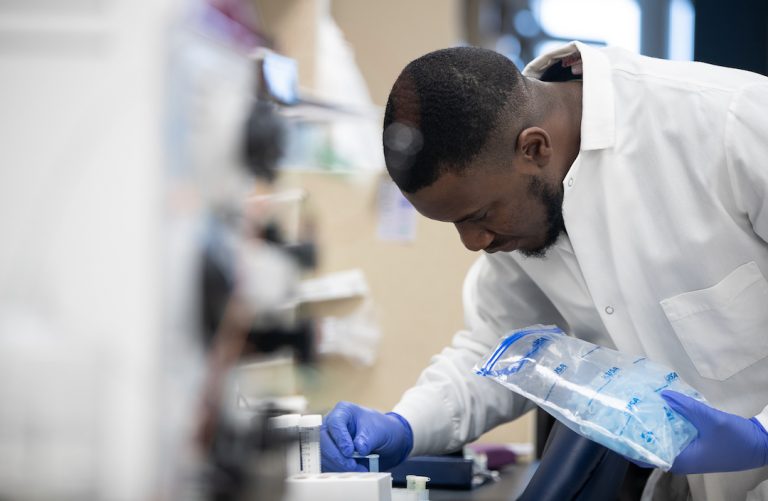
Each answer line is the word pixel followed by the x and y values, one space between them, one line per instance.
pixel 609 397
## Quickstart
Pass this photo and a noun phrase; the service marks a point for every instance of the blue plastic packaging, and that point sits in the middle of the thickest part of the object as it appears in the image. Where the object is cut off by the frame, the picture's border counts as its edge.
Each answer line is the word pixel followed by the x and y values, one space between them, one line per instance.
pixel 607 396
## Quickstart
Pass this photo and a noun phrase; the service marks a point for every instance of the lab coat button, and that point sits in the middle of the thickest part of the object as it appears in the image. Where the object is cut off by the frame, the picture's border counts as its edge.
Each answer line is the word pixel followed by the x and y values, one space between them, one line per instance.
pixel 609 310
pixel 570 182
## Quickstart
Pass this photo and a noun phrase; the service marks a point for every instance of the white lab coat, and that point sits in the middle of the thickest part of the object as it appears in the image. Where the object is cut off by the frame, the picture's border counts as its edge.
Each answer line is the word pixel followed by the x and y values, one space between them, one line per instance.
pixel 666 254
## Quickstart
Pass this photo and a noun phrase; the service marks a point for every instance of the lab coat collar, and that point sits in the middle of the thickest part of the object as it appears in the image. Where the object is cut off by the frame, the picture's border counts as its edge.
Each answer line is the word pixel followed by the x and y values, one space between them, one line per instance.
pixel 597 116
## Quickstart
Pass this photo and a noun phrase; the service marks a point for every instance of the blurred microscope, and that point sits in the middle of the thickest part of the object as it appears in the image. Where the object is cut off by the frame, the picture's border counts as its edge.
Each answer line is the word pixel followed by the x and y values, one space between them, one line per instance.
pixel 236 118
pixel 256 340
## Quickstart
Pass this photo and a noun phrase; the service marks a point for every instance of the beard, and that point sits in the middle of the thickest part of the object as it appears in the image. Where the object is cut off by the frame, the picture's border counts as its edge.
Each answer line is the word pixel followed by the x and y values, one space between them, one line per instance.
pixel 552 199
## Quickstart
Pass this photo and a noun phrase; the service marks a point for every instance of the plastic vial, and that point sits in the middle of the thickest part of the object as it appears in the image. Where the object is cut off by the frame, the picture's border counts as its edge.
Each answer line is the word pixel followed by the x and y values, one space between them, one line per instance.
pixel 309 433
pixel 419 485
pixel 287 426
pixel 373 461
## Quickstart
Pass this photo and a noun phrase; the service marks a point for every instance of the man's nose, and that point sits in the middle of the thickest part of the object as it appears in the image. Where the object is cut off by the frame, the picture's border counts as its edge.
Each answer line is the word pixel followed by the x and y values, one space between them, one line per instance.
pixel 474 237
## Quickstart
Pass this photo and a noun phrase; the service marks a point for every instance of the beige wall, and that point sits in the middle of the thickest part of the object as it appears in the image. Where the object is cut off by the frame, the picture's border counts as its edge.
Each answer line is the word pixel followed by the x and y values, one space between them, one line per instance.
pixel 388 35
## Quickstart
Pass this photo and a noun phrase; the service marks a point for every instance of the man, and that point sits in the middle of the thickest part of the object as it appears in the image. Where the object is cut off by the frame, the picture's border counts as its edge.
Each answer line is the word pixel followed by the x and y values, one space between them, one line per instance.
pixel 617 196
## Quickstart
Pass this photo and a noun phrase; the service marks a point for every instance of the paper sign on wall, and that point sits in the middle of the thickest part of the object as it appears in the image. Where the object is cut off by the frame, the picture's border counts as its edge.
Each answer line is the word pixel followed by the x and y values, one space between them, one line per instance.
pixel 397 217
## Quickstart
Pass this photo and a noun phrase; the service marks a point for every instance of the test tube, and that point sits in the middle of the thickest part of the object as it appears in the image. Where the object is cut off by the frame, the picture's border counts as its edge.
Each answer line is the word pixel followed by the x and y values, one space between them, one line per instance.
pixel 419 484
pixel 373 461
pixel 309 433
pixel 287 426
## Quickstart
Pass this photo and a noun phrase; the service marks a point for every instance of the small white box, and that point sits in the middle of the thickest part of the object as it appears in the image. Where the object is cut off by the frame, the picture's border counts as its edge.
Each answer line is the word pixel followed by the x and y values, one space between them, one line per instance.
pixel 337 486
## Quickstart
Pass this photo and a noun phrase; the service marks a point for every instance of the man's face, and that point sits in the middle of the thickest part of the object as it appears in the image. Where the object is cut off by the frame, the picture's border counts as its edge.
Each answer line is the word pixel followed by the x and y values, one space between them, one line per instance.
pixel 496 209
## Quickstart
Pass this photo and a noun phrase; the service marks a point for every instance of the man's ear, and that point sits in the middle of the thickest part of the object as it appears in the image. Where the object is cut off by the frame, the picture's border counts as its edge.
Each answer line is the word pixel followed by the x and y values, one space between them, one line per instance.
pixel 535 145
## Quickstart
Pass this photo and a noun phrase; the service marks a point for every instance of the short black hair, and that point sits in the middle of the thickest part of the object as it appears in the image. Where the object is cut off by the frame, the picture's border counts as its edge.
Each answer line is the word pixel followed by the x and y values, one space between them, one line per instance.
pixel 443 108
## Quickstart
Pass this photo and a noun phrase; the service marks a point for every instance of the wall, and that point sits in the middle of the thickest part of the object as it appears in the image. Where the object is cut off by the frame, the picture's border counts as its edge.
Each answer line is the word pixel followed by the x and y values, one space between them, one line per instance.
pixel 388 35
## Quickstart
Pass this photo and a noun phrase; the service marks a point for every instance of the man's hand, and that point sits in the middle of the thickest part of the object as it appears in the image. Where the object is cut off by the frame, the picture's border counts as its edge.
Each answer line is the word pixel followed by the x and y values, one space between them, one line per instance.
pixel 350 428
pixel 726 442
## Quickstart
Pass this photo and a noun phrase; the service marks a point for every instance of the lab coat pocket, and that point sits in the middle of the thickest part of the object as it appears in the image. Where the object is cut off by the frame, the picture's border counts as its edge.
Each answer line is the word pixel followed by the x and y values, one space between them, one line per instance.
pixel 723 328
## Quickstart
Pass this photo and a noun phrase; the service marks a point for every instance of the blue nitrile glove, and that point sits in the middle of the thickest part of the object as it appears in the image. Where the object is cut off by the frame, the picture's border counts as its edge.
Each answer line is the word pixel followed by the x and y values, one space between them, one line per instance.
pixel 726 442
pixel 350 428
